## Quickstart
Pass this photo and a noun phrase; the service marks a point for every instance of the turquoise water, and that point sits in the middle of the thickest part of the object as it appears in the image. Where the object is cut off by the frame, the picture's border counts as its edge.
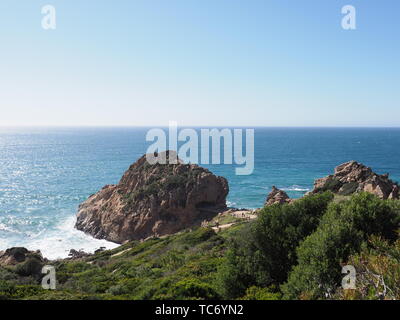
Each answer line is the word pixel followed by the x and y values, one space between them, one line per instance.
pixel 45 173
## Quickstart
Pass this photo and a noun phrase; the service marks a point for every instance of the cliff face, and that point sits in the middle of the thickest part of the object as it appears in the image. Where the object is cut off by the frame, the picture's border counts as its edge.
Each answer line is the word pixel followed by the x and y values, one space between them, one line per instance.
pixel 153 200
pixel 351 177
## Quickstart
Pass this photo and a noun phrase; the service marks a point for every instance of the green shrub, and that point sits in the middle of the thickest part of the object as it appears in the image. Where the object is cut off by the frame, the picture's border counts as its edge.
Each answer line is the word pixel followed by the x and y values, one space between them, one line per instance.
pixel 377 272
pixel 125 286
pixel 257 293
pixel 192 289
pixel 7 290
pixel 172 259
pixel 264 251
pixel 343 231
pixel 197 236
pixel 31 267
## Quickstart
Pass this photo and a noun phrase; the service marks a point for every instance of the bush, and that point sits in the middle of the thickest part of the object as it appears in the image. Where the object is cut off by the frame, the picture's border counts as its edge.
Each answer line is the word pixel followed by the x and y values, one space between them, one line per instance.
pixel 172 260
pixel 377 272
pixel 264 251
pixel 192 289
pixel 31 267
pixel 125 286
pixel 7 289
pixel 197 236
pixel 343 230
pixel 256 293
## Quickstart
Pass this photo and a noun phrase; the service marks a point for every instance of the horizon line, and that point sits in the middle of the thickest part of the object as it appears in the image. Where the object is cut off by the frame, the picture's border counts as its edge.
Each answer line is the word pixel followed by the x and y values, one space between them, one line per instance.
pixel 196 126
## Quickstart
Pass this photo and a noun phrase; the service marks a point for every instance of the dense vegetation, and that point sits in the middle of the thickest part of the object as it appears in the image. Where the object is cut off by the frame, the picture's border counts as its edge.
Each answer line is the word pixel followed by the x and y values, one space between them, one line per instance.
pixel 344 230
pixel 263 252
pixel 181 266
pixel 291 251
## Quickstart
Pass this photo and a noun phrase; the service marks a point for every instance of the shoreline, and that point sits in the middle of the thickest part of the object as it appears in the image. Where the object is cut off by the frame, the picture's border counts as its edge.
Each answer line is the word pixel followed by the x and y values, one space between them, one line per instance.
pixel 235 212
pixel 380 185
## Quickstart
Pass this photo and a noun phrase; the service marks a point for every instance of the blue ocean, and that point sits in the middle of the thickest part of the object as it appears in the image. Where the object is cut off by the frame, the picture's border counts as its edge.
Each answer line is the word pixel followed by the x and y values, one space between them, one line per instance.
pixel 45 173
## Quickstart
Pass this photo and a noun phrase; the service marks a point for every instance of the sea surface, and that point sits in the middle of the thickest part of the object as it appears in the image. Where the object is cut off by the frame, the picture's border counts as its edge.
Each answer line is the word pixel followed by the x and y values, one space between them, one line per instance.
pixel 45 173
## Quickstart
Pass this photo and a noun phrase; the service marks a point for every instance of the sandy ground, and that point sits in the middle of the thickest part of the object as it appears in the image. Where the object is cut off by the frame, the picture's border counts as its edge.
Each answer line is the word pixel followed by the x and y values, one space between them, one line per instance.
pixel 241 214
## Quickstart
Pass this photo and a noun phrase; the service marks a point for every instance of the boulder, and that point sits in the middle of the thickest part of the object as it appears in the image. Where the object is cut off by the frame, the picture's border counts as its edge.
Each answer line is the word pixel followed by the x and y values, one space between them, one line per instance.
pixel 16 255
pixel 153 200
pixel 277 196
pixel 75 254
pixel 351 177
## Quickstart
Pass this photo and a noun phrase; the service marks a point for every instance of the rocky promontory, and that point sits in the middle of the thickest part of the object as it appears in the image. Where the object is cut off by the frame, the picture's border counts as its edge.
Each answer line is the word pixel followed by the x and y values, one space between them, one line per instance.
pixel 348 178
pixel 16 255
pixel 352 177
pixel 277 196
pixel 153 200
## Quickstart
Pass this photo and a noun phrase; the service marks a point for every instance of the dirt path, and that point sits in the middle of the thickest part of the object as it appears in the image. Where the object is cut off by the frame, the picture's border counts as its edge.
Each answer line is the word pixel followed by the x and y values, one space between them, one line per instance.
pixel 241 214
pixel 224 226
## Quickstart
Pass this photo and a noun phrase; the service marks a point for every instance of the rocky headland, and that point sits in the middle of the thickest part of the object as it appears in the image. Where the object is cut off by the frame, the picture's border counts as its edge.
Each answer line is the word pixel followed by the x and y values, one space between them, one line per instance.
pixel 162 199
pixel 352 177
pixel 348 178
pixel 153 200
pixel 164 204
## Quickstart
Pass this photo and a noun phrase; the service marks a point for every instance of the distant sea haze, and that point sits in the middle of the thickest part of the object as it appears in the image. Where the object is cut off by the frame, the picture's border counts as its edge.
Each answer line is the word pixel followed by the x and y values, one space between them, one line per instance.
pixel 46 172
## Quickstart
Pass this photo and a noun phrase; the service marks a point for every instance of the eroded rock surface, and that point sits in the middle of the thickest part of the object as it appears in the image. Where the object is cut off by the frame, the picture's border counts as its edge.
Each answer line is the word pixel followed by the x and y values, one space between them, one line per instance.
pixel 153 200
pixel 16 255
pixel 351 177
pixel 277 196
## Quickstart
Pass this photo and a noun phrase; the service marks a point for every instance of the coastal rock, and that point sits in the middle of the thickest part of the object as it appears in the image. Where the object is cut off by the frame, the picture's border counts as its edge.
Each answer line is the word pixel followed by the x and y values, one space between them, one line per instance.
pixel 277 196
pixel 153 200
pixel 351 177
pixel 75 254
pixel 16 255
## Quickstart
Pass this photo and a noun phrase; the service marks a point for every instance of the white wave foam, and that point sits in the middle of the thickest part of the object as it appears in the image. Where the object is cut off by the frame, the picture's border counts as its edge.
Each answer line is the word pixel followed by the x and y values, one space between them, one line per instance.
pixel 230 204
pixel 56 243
pixel 296 188
pixel 4 227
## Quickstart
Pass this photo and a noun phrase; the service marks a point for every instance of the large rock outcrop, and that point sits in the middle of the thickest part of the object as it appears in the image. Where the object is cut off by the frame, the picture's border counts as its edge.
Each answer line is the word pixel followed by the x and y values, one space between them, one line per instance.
pixel 13 256
pixel 351 177
pixel 277 196
pixel 16 255
pixel 153 200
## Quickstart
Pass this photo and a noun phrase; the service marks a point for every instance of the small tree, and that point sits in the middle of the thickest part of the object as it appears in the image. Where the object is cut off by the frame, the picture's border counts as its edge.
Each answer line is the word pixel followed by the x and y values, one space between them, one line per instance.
pixel 263 252
pixel 343 231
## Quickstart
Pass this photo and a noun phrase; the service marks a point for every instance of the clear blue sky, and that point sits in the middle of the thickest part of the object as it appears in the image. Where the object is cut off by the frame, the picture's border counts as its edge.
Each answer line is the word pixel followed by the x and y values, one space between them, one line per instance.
pixel 203 62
